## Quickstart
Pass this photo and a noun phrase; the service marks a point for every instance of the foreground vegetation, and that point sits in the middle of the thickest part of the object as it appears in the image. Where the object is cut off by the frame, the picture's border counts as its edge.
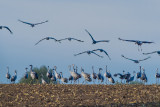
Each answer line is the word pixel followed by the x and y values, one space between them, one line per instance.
pixel 78 95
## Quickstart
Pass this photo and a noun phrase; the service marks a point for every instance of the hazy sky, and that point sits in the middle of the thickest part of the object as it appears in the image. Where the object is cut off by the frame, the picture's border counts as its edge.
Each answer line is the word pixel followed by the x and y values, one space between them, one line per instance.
pixel 105 20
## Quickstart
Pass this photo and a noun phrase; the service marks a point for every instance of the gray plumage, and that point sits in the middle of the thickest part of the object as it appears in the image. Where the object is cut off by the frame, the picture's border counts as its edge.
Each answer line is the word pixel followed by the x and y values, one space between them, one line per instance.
pixel 88 52
pixel 139 43
pixel 47 38
pixel 32 24
pixel 134 60
pixel 1 27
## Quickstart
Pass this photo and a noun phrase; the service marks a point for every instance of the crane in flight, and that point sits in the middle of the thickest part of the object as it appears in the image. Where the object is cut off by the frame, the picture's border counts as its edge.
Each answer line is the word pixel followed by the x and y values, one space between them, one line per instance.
pixel 47 38
pixel 158 52
pixel 69 39
pixel 1 27
pixel 134 60
pixel 137 42
pixel 101 50
pixel 88 52
pixel 32 24
pixel 93 40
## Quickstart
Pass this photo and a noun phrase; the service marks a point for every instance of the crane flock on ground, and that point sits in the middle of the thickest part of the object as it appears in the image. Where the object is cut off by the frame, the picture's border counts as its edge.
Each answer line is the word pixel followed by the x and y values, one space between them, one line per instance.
pixel 74 77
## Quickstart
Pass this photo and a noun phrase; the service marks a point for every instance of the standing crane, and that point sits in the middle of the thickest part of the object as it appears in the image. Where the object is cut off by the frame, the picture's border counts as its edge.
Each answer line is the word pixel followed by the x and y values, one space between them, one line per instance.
pixel 8 75
pixel 121 76
pixel 26 74
pixel 157 76
pixel 13 78
pixel 100 76
pixel 143 76
pixel 74 74
pixel 85 75
pixel 43 81
pixel 57 75
pixel 64 80
pixel 138 75
pixel 33 74
pixel 130 79
pixel 107 74
pixel 49 73
pixel 93 75
pixel 53 76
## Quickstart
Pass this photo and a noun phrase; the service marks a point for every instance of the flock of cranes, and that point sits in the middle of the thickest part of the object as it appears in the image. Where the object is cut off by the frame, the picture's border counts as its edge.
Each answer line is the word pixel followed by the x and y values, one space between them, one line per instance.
pixel 75 76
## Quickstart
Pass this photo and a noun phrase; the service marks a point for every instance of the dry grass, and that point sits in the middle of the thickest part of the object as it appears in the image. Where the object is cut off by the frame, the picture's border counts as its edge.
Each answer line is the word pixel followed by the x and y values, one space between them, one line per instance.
pixel 79 95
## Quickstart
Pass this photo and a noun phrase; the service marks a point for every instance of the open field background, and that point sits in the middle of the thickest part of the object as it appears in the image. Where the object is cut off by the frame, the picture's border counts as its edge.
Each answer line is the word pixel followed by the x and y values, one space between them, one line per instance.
pixel 79 95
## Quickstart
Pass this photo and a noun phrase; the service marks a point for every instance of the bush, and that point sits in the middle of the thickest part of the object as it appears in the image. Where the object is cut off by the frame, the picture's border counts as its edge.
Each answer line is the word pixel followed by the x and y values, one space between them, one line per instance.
pixel 40 71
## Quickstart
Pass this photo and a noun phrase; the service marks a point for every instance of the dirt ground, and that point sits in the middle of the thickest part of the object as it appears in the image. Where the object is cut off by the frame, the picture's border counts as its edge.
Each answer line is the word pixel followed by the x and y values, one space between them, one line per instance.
pixel 79 95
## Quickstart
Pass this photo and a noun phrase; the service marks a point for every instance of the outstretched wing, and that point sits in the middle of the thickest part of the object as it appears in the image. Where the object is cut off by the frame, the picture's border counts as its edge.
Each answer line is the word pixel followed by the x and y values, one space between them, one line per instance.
pixel 145 58
pixel 25 22
pixel 149 53
pixel 127 40
pixel 96 54
pixel 102 51
pixel 146 42
pixel 103 41
pixel 40 41
pixel 77 40
pixel 52 38
pixel 90 35
pixel 80 53
pixel 127 58
pixel 62 39
pixel 41 22
pixel 8 29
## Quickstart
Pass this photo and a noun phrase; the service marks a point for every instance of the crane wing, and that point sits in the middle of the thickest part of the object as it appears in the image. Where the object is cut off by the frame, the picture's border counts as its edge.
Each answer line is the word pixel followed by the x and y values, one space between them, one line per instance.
pixel 40 41
pixel 41 22
pixel 127 40
pixel 102 51
pixel 146 42
pixel 149 53
pixel 90 35
pixel 8 29
pixel 62 39
pixel 80 53
pixel 127 58
pixel 103 41
pixel 77 40
pixel 25 22
pixel 145 58
pixel 96 54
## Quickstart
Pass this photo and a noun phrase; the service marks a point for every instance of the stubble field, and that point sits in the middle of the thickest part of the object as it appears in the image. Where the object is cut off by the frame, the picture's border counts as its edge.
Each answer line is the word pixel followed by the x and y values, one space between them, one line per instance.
pixel 79 95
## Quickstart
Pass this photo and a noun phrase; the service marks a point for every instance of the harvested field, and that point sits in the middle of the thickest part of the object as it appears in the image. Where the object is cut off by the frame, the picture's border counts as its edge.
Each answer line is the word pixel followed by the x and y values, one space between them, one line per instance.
pixel 79 95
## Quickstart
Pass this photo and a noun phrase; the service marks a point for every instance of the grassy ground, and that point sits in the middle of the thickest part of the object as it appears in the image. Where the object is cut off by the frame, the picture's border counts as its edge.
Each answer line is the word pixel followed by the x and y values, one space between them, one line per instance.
pixel 79 95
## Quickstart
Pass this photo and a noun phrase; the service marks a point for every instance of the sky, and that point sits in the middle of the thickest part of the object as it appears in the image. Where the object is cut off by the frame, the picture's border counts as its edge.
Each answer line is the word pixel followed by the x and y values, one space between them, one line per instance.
pixel 105 20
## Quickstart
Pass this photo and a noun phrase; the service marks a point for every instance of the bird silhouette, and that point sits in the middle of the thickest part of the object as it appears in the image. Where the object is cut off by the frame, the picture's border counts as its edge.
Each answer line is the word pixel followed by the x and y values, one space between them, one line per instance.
pixel 88 52
pixel 101 50
pixel 135 61
pixel 158 52
pixel 139 43
pixel 69 38
pixel 33 24
pixel 48 38
pixel 93 40
pixel 1 27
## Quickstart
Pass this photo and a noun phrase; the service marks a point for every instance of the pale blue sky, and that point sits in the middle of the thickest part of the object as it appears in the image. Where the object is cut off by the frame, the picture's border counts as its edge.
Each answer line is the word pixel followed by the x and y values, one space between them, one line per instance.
pixel 105 19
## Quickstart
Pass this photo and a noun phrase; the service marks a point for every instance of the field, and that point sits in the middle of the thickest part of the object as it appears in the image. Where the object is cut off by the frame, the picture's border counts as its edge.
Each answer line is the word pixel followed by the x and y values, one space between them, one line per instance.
pixel 79 95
